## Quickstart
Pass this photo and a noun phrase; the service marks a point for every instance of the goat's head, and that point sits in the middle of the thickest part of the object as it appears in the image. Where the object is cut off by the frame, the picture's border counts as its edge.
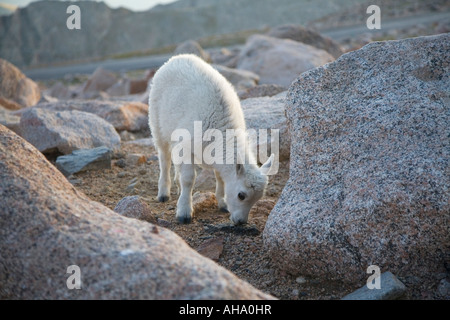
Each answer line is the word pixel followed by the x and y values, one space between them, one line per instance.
pixel 247 188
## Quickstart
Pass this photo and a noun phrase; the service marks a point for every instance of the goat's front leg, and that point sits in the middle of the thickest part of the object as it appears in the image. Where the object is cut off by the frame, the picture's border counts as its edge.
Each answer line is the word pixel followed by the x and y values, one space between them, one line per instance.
pixel 220 192
pixel 184 206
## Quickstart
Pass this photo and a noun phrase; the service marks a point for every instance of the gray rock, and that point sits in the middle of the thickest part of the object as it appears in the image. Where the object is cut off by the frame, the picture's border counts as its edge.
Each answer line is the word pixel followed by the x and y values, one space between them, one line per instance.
pixel 368 181
pixel 307 36
pixel 443 289
pixel 225 57
pixel 84 160
pixel 59 91
pixel 10 120
pixel 240 79
pixel 390 289
pixel 279 61
pixel 262 90
pixel 120 88
pixel 66 131
pixel 100 80
pixel 192 47
pixel 46 225
pixel 147 142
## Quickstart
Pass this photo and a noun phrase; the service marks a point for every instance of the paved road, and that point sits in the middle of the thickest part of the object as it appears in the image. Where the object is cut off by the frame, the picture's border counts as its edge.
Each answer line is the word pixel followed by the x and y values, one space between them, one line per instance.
pixel 149 62
pixel 347 32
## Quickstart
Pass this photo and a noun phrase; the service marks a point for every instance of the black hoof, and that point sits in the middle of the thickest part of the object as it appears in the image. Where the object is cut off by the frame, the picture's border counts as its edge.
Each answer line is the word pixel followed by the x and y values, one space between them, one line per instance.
pixel 224 209
pixel 184 220
pixel 163 198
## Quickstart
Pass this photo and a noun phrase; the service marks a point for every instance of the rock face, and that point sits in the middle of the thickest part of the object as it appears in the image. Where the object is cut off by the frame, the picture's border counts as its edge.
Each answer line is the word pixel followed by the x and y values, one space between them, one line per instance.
pixel 46 225
pixel 123 115
pixel 279 61
pixel 66 131
pixel 368 182
pixel 16 90
pixel 307 36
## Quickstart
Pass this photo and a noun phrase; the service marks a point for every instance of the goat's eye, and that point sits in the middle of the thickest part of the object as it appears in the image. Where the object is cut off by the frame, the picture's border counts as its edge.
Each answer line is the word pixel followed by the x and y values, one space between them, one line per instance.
pixel 241 196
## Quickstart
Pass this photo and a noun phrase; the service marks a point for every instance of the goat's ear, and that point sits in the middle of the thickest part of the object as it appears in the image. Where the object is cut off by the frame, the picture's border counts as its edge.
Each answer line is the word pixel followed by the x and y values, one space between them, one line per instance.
pixel 265 168
pixel 240 170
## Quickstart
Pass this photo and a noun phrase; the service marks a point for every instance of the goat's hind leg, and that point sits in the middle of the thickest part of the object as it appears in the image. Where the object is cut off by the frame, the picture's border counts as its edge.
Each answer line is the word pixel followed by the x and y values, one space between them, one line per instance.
pixel 164 182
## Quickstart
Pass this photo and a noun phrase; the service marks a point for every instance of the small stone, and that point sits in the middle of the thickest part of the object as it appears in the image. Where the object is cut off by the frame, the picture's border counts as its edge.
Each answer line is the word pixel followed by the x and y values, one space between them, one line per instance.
pixel 163 223
pixel 212 248
pixel 121 163
pixel 117 154
pixel 135 159
pixel 130 187
pixel 390 289
pixel 202 201
pixel 146 142
pixel 444 289
pixel 83 160
pixel 134 207
pixel 300 280
pixel 126 136
pixel 76 182
pixel 121 174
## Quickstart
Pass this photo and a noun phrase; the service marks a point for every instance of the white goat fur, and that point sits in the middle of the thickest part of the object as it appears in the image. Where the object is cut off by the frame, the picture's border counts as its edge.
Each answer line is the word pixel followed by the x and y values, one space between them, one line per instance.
pixel 187 89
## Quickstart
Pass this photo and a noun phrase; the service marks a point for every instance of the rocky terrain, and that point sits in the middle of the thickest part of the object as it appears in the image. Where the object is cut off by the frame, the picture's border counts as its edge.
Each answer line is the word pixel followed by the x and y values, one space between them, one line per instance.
pixel 363 179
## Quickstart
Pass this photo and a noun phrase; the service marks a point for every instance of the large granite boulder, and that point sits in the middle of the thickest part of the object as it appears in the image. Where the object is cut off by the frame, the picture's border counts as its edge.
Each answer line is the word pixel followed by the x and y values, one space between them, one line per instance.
pixel 369 179
pixel 49 231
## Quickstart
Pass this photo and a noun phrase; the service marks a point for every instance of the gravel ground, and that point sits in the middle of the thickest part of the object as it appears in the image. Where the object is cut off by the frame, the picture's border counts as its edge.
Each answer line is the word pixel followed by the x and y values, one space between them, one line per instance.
pixel 239 250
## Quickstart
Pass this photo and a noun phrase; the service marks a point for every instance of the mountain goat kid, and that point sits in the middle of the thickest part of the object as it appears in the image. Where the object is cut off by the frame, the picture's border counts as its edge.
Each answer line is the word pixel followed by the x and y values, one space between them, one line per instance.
pixel 185 91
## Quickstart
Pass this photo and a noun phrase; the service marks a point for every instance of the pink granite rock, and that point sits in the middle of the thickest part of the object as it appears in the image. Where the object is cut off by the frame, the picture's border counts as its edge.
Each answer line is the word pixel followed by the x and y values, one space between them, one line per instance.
pixel 46 226
pixel 368 182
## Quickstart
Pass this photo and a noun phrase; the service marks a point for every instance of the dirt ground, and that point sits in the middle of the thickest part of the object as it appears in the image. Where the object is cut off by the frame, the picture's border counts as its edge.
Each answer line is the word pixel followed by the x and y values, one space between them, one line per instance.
pixel 243 251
